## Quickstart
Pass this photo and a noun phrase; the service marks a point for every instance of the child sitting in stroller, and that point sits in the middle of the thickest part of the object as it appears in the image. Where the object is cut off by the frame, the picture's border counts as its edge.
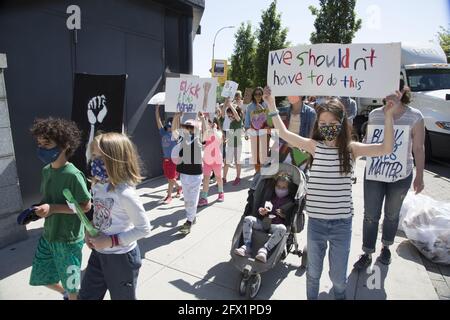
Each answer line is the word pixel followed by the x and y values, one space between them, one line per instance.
pixel 274 213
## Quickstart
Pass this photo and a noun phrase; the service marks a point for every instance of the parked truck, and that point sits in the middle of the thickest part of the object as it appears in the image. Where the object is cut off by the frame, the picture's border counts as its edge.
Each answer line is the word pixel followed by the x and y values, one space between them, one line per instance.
pixel 425 70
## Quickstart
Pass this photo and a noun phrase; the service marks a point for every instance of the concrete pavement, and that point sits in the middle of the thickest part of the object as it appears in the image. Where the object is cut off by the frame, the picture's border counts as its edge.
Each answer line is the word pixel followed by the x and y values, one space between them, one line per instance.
pixel 198 266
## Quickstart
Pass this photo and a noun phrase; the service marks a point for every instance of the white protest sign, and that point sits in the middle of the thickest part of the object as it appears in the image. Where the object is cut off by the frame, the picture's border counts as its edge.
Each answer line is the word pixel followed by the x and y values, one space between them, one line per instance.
pixel 229 89
pixel 191 95
pixel 354 70
pixel 392 167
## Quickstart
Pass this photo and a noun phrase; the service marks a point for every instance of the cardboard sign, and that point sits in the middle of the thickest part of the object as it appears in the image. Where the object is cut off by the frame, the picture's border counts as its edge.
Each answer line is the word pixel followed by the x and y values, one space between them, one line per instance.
pixel 392 167
pixel 229 89
pixel 353 70
pixel 191 95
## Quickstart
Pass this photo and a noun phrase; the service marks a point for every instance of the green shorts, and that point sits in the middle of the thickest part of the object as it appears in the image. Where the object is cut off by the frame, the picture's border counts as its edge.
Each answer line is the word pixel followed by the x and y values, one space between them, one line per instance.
pixel 55 262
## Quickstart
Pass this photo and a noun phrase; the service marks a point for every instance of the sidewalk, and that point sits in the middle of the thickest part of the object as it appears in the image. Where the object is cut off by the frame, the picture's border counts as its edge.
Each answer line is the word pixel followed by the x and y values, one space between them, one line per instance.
pixel 198 266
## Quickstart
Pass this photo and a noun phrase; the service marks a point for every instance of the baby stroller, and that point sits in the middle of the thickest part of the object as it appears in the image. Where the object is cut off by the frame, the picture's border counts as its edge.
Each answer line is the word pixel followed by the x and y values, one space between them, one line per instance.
pixel 250 268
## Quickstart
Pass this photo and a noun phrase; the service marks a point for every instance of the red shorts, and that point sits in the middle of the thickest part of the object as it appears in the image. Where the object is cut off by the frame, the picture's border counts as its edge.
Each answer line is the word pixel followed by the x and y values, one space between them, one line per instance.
pixel 170 169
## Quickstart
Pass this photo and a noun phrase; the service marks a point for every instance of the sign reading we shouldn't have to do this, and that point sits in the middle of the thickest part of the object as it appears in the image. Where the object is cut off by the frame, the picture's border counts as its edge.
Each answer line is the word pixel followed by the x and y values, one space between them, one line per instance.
pixel 355 70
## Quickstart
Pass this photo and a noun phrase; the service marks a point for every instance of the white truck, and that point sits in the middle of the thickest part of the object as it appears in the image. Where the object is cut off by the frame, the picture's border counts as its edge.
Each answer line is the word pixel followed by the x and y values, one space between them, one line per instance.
pixel 425 70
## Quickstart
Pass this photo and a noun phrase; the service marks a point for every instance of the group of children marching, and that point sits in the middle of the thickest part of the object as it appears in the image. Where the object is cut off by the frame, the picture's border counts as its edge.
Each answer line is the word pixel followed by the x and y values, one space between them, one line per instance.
pixel 118 214
pixel 193 151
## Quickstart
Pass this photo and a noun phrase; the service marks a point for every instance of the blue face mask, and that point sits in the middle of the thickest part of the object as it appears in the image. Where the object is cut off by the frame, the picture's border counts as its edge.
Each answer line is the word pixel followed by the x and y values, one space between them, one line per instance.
pixel 98 170
pixel 48 155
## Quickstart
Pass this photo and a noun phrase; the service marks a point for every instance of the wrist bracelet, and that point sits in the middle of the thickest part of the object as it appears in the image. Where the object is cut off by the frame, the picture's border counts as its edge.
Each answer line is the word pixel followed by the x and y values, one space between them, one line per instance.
pixel 274 113
pixel 114 241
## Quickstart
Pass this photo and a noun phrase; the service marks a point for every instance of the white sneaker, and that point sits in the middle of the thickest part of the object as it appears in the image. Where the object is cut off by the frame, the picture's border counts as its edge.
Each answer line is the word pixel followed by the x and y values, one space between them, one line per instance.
pixel 242 251
pixel 262 255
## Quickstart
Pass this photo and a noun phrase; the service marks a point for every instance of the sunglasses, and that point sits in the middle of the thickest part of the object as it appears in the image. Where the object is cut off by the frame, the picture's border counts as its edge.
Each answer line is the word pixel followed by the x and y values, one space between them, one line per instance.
pixel 258 94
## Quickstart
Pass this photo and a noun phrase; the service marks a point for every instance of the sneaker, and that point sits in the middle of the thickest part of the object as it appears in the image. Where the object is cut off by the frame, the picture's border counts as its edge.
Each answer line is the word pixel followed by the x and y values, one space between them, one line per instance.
pixel 202 202
pixel 242 251
pixel 221 197
pixel 167 200
pixel 186 227
pixel 385 256
pixel 364 262
pixel 262 255
pixel 179 192
pixel 237 182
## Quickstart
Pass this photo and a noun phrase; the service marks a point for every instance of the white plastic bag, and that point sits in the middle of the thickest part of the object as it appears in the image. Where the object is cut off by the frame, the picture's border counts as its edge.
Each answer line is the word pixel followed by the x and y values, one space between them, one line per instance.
pixel 426 223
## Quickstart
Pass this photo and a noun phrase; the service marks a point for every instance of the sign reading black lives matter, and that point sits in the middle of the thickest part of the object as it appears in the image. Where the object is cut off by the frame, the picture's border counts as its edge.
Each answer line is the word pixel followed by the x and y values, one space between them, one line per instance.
pixel 98 105
pixel 392 167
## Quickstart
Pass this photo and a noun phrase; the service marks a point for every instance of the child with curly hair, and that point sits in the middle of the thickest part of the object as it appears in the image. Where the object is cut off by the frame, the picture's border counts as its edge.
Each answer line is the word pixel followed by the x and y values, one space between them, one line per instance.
pixel 58 255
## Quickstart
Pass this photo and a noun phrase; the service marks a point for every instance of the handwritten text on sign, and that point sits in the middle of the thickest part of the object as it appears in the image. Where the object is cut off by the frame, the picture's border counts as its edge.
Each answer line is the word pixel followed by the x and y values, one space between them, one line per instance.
pixel 356 70
pixel 229 89
pixel 191 95
pixel 392 167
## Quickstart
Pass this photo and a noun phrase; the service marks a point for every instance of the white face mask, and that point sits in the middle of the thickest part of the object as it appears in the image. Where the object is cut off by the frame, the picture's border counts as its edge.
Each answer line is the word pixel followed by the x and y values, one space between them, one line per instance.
pixel 281 193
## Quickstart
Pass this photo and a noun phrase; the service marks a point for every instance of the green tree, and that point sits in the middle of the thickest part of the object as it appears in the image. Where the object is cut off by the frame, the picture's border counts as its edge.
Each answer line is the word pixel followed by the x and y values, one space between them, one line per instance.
pixel 271 36
pixel 444 40
pixel 242 60
pixel 335 21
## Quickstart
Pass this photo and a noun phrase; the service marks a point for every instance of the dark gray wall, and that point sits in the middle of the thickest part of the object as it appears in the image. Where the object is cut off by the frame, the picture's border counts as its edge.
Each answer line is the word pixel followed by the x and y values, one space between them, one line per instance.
pixel 139 38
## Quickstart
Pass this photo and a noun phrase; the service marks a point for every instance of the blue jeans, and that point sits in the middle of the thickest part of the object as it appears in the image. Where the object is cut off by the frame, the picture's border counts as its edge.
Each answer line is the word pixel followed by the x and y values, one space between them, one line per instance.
pixel 393 195
pixel 338 233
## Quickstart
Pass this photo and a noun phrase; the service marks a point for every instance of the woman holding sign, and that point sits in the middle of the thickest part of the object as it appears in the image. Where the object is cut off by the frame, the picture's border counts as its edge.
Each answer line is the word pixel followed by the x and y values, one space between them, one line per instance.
pixel 329 201
pixel 389 178
pixel 255 123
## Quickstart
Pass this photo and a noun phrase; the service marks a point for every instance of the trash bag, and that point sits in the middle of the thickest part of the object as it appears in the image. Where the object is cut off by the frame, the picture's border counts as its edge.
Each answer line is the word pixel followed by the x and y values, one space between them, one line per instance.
pixel 426 223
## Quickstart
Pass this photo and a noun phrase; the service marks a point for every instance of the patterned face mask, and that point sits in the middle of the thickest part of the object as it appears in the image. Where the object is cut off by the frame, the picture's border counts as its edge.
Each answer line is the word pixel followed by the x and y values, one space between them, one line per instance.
pixel 331 132
pixel 98 170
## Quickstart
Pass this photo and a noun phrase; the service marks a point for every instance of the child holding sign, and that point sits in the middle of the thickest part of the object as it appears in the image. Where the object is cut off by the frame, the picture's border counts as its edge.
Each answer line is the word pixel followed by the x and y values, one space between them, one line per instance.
pixel 119 216
pixel 212 159
pixel 329 201
pixel 189 165
pixel 58 255
pixel 169 167
pixel 393 186
pixel 233 140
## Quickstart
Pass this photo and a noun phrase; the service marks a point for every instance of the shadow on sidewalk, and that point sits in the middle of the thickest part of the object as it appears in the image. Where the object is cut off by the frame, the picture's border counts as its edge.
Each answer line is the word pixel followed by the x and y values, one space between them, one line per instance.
pixel 206 288
pixel 369 283
pixel 19 256
pixel 163 238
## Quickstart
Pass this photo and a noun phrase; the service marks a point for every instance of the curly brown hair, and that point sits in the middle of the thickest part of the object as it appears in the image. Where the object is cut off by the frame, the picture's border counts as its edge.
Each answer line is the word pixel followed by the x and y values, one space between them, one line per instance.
pixel 64 133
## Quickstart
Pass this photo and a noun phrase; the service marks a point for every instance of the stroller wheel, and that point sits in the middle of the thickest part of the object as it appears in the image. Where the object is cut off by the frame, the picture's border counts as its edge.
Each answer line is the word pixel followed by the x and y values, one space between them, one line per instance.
pixel 243 285
pixel 253 286
pixel 304 258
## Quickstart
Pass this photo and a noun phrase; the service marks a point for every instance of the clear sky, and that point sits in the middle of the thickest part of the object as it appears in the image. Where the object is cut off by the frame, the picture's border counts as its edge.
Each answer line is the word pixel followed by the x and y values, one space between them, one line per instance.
pixel 383 21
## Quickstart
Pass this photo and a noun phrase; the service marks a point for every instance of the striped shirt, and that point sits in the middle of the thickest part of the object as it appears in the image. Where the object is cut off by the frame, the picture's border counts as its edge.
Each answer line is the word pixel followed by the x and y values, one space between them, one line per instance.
pixel 329 193
pixel 410 118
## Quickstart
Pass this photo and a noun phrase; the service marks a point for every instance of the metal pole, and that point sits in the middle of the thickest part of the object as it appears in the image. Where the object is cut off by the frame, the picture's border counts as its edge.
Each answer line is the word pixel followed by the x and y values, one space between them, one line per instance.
pixel 214 43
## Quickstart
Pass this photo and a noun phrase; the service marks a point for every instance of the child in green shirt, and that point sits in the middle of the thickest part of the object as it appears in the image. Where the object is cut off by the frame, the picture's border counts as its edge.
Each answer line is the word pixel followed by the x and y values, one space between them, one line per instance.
pixel 58 256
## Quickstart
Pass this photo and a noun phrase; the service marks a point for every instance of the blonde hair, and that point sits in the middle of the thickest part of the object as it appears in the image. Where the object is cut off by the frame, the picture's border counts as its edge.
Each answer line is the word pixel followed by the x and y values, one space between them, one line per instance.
pixel 120 157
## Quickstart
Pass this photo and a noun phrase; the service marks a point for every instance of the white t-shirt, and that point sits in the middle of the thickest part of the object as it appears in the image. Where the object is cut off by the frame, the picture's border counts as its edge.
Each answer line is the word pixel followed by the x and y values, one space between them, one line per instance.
pixel 120 212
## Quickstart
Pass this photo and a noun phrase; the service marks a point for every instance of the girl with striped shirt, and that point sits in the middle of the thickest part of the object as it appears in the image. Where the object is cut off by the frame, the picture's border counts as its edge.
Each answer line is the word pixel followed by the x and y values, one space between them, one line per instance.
pixel 329 202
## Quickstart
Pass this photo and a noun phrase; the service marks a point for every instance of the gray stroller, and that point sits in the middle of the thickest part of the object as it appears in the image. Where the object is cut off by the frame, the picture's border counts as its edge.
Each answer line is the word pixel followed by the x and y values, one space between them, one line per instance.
pixel 250 268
